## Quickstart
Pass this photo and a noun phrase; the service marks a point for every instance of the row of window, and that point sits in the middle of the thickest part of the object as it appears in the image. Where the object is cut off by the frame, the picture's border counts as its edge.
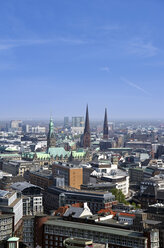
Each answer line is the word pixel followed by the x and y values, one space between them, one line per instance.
pixel 96 236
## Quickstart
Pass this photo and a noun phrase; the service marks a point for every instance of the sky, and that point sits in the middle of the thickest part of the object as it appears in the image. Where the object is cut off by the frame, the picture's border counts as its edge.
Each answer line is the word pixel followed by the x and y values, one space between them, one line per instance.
pixel 56 56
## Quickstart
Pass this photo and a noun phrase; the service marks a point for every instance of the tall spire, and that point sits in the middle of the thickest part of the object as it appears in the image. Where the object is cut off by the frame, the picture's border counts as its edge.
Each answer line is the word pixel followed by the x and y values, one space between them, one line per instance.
pixel 87 127
pixel 51 142
pixel 105 129
pixel 86 138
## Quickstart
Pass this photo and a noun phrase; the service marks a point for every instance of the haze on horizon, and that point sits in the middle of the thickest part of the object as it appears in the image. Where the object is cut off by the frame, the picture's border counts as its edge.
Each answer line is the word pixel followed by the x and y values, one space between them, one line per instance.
pixel 57 56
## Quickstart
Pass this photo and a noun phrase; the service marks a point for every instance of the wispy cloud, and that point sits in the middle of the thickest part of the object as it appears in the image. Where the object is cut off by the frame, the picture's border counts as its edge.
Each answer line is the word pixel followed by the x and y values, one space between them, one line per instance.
pixel 8 44
pixel 134 85
pixel 142 48
pixel 105 68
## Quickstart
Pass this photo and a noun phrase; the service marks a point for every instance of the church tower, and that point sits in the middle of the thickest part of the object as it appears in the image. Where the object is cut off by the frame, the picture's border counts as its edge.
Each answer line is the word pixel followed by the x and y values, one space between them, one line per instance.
pixel 87 134
pixel 105 129
pixel 51 142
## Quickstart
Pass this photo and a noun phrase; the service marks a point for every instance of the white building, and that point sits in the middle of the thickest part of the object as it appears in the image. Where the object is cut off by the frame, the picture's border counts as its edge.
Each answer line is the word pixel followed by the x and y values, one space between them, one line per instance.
pixel 10 203
pixel 115 176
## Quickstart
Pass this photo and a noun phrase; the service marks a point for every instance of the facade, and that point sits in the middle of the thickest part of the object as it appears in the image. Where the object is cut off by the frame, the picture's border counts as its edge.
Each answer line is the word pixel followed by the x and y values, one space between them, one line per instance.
pixel 54 197
pixel 6 226
pixel 155 212
pixel 43 179
pixel 33 230
pixel 136 175
pixel 78 121
pixel 31 196
pixel 87 134
pixel 8 156
pixel 57 230
pixel 139 144
pixel 38 129
pixel 18 167
pixel 77 125
pixel 66 121
pixel 10 203
pixel 15 124
pixel 116 177
pixel 72 174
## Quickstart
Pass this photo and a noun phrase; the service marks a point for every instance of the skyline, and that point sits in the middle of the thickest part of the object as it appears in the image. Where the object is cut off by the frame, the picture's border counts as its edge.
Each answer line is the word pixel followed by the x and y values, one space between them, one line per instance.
pixel 57 57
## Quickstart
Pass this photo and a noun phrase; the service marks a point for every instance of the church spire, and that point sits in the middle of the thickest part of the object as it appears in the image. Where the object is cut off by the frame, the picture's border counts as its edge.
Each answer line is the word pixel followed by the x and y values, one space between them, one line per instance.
pixel 105 129
pixel 86 138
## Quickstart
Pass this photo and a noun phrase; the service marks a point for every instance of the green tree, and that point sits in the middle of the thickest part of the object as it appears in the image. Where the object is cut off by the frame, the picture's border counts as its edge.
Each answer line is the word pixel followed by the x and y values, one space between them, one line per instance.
pixel 120 197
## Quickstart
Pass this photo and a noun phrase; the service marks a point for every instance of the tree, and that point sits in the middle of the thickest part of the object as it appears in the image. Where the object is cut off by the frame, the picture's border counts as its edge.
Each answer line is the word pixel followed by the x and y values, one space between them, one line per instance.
pixel 120 197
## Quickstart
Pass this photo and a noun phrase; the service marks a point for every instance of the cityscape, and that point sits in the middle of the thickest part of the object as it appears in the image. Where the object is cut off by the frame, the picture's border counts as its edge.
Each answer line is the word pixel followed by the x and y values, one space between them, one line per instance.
pixel 81 124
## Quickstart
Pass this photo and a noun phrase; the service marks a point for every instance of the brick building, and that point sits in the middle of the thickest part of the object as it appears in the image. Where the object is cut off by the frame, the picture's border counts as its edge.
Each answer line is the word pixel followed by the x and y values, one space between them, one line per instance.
pixel 72 174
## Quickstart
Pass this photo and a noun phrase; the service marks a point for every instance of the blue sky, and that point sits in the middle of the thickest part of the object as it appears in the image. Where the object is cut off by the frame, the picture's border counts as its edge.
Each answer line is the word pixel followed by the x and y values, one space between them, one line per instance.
pixel 58 55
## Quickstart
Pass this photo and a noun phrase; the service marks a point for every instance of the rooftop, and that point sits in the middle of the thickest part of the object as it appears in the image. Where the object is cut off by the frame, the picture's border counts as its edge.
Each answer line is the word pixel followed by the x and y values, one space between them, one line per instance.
pixel 96 228
pixel 20 186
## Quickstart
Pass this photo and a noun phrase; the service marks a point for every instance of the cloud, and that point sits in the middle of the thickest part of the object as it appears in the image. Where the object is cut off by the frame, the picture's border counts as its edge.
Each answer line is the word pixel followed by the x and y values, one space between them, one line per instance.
pixel 136 86
pixel 142 48
pixel 105 68
pixel 8 44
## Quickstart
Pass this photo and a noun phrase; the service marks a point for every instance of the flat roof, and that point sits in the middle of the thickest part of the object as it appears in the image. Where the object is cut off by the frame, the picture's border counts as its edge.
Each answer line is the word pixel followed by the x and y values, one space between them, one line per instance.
pixel 96 228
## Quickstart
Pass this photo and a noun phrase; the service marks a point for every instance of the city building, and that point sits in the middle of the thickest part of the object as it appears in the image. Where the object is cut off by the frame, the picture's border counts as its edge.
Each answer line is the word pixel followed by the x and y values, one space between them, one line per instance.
pixel 31 196
pixel 116 177
pixel 15 124
pixel 72 173
pixel 66 121
pixel 32 233
pixel 57 230
pixel 77 127
pixel 54 197
pixel 38 129
pixel 78 121
pixel 6 226
pixel 43 179
pixel 10 203
pixel 19 167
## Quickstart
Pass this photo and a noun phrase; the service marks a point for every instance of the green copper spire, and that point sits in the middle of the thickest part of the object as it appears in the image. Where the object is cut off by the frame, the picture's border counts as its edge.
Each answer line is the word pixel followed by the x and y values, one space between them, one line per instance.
pixel 51 126
pixel 51 142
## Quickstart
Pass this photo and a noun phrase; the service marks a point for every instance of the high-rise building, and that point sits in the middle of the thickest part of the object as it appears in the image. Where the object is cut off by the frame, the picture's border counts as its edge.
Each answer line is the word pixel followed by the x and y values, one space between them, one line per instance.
pixel 66 121
pixel 15 124
pixel 51 142
pixel 78 121
pixel 87 134
pixel 105 129
pixel 77 125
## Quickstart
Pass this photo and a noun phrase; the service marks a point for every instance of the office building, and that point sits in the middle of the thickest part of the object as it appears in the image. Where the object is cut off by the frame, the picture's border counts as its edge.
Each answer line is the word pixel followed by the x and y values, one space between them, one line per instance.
pixel 78 121
pixel 72 174
pixel 6 226
pixel 10 203
pixel 31 196
pixel 54 197
pixel 57 230
pixel 66 121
